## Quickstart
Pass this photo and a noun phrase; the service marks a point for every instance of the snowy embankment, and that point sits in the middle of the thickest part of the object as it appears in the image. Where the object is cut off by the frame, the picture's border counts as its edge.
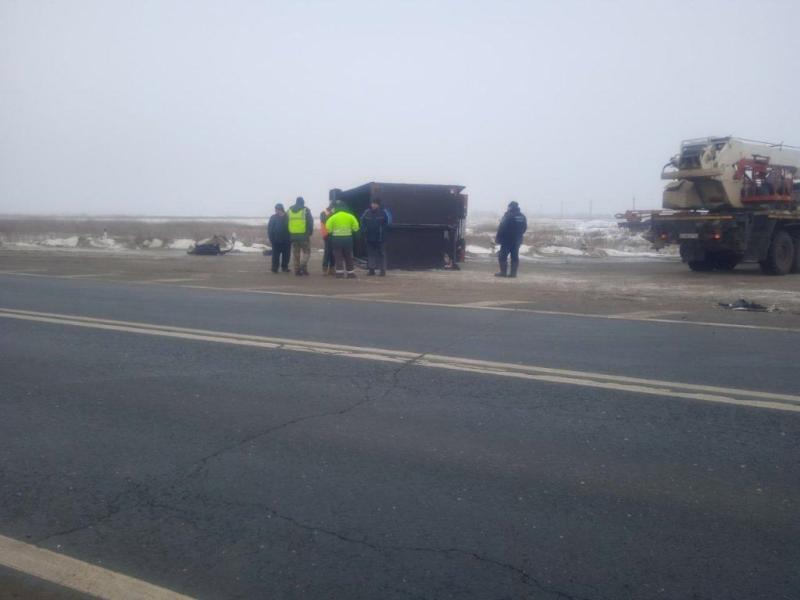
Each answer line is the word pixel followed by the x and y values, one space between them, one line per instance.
pixel 114 245
pixel 128 234
pixel 117 245
pixel 548 237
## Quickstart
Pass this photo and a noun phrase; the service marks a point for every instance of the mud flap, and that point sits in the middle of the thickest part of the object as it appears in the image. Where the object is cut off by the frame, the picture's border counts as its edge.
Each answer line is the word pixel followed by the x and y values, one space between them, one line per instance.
pixel 693 252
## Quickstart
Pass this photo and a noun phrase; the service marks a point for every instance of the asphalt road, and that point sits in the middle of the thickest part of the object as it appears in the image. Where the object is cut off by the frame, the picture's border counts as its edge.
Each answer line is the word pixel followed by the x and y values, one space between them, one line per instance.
pixel 227 471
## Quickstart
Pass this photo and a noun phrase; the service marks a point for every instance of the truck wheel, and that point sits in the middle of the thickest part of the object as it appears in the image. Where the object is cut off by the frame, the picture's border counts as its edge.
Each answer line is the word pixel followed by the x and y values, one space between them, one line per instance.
pixel 701 265
pixel 726 262
pixel 781 255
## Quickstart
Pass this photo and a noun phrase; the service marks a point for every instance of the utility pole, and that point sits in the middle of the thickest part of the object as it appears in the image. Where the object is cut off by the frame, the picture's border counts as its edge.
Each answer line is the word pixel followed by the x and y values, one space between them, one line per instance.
pixel 634 203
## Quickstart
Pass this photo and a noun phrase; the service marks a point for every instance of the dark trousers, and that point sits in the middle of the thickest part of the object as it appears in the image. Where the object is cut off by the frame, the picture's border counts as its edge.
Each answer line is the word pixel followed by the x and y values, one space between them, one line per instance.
pixel 343 253
pixel 376 256
pixel 327 257
pixel 505 251
pixel 280 256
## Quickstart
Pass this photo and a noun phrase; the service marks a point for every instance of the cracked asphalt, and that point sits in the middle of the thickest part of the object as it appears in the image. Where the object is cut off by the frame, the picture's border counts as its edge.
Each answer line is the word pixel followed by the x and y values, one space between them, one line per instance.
pixel 233 472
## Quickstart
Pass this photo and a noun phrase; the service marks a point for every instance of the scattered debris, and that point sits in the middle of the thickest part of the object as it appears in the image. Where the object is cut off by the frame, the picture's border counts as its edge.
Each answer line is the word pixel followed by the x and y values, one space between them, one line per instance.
pixel 217 244
pixel 742 304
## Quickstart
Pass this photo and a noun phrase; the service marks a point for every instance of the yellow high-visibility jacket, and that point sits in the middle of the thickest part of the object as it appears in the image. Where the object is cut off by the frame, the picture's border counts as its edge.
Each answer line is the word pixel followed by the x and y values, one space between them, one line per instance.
pixel 297 221
pixel 342 224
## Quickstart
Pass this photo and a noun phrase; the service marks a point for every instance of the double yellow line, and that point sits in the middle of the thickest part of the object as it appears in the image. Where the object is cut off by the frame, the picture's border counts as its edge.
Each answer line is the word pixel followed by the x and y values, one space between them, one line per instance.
pixel 633 385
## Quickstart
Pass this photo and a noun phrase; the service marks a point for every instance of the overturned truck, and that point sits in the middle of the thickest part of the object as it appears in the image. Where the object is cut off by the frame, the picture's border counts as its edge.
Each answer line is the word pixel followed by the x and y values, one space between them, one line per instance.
pixel 428 222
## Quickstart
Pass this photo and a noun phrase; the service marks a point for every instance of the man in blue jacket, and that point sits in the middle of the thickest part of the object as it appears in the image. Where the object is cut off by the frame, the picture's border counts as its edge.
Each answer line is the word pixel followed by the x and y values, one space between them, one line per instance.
pixel 374 223
pixel 509 235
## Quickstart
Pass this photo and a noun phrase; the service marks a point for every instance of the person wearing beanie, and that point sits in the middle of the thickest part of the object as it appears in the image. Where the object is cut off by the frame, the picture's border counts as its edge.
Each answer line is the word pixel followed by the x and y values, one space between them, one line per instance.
pixel 374 223
pixel 301 226
pixel 279 239
pixel 509 235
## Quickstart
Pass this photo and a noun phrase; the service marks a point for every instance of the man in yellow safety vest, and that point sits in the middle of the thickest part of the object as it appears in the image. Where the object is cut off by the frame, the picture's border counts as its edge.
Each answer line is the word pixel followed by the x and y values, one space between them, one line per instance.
pixel 341 227
pixel 301 226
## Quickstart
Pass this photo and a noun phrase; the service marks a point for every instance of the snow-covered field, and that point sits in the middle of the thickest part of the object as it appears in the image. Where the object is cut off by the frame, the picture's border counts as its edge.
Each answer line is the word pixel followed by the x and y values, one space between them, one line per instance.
pixel 546 237
pixel 550 237
pixel 111 244
pixel 128 234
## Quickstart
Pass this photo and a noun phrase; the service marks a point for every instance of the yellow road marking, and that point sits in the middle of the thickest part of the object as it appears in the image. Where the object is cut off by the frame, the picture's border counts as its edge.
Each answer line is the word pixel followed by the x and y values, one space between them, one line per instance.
pixel 672 389
pixel 78 575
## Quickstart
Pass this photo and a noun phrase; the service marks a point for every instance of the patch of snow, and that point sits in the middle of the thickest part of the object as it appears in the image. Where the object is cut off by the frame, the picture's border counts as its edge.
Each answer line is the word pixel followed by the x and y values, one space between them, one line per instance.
pixel 153 244
pixel 473 249
pixel 636 253
pixel 70 242
pixel 560 251
pixel 181 244
pixel 101 243
pixel 253 248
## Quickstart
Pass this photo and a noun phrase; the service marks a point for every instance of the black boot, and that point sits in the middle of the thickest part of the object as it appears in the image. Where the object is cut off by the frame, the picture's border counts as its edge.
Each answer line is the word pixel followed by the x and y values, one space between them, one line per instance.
pixel 503 270
pixel 513 272
pixel 371 272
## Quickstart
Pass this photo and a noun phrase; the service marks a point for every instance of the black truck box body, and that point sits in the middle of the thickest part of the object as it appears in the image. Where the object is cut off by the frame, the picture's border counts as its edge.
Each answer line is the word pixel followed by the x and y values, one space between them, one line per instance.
pixel 428 222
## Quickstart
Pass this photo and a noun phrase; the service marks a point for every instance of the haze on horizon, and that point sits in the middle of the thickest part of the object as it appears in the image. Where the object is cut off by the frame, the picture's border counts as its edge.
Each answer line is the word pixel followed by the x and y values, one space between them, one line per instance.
pixel 224 108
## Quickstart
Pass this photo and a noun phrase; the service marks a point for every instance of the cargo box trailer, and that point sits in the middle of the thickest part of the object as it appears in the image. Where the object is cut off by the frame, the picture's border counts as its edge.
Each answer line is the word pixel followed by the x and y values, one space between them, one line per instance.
pixel 428 222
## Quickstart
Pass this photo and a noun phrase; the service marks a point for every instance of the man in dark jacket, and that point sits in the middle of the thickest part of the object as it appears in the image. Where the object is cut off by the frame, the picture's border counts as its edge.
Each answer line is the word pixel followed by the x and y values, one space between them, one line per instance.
pixel 509 235
pixel 374 223
pixel 279 239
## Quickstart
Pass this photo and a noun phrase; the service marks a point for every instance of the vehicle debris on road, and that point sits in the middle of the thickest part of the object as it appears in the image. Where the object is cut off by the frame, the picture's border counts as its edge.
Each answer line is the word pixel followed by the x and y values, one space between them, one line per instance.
pixel 215 245
pixel 742 304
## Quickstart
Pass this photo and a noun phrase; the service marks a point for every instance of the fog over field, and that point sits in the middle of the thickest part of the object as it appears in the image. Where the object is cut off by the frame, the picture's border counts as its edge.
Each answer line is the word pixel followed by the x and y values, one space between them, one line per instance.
pixel 211 108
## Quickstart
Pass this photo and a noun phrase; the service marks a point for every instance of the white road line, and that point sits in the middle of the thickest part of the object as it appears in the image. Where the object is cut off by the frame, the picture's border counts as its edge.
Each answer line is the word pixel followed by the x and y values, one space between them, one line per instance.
pixel 363 295
pixel 28 273
pixel 672 389
pixel 493 303
pixel 78 575
pixel 85 275
pixel 533 311
pixel 173 280
pixel 647 315
pixel 488 305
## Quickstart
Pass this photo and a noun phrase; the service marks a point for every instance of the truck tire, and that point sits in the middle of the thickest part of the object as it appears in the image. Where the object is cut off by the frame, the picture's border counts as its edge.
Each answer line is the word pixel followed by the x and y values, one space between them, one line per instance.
pixel 701 265
pixel 781 255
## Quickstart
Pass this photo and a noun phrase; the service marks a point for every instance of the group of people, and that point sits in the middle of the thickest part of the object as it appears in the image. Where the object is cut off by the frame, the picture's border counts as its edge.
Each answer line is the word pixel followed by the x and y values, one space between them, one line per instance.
pixel 289 232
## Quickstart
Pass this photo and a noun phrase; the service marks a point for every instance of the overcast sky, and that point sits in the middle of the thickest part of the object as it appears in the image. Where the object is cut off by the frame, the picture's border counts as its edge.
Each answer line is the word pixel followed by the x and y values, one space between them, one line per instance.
pixel 223 108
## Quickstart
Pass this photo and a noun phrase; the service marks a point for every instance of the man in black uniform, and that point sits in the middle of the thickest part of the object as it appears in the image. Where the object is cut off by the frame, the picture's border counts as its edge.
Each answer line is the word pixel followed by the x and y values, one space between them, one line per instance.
pixel 279 239
pixel 509 235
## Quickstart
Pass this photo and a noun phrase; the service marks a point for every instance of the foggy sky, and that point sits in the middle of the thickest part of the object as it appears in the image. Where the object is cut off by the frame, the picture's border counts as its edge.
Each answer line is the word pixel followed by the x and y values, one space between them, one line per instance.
pixel 224 108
